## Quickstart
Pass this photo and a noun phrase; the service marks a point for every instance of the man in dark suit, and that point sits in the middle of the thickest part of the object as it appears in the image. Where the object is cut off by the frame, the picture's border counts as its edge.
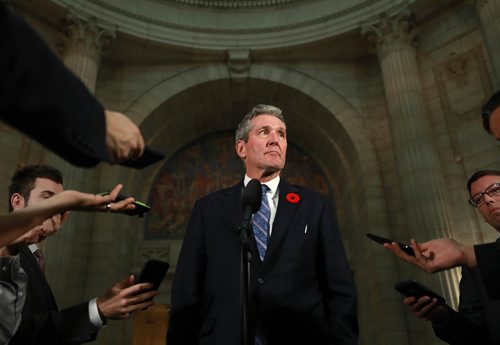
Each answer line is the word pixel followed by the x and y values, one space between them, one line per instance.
pixel 447 253
pixel 301 285
pixel 478 316
pixel 42 98
pixel 42 322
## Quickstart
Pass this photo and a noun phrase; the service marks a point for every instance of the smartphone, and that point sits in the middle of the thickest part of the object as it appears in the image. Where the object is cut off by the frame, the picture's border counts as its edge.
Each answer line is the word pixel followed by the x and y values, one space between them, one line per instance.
pixel 140 207
pixel 153 272
pixel 412 288
pixel 404 247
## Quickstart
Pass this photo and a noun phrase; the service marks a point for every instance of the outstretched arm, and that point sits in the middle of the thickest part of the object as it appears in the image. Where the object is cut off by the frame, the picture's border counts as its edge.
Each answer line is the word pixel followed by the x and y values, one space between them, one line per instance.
pixel 17 223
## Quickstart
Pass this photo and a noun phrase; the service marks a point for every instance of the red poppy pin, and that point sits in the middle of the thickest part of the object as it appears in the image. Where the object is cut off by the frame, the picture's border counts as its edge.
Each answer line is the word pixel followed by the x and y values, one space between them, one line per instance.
pixel 293 198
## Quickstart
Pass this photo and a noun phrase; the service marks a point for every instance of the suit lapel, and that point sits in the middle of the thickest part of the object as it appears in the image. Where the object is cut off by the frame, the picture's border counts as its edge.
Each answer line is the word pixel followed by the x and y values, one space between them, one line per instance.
pixel 284 215
pixel 36 279
pixel 232 204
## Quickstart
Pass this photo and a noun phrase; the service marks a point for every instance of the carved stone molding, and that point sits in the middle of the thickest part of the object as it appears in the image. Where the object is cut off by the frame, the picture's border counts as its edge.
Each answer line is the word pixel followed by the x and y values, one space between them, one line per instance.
pixel 456 70
pixel 239 63
pixel 234 4
pixel 154 250
pixel 456 79
pixel 266 29
pixel 481 3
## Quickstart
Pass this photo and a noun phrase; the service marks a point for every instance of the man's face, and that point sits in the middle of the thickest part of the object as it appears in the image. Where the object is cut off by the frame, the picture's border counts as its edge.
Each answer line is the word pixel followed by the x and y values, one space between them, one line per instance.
pixel 264 153
pixel 490 208
pixel 495 123
pixel 44 189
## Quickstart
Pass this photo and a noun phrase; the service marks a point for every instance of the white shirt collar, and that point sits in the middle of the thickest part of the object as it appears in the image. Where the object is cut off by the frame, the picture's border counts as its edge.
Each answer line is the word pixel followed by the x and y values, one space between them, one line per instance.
pixel 33 247
pixel 272 184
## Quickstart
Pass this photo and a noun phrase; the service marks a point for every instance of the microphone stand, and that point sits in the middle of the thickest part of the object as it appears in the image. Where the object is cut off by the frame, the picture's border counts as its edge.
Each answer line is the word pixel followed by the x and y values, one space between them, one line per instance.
pixel 246 260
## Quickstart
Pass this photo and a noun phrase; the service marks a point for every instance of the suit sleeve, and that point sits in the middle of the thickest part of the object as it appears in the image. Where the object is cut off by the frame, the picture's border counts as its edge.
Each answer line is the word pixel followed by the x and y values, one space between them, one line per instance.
pixel 13 282
pixel 467 326
pixel 336 282
pixel 187 290
pixel 488 259
pixel 43 99
pixel 71 326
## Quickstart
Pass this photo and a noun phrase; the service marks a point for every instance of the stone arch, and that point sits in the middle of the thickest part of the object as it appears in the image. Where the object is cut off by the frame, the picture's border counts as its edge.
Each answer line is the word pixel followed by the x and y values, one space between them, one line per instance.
pixel 353 148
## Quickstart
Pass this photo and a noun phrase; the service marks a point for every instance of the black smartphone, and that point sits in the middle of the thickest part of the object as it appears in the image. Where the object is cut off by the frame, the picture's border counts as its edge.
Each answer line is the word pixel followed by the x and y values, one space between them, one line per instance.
pixel 404 247
pixel 153 272
pixel 412 288
pixel 149 156
pixel 140 207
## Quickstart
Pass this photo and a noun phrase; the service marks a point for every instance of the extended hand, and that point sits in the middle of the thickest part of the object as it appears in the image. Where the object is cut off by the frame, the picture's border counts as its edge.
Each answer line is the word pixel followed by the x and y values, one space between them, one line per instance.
pixel 104 203
pixel 125 298
pixel 436 255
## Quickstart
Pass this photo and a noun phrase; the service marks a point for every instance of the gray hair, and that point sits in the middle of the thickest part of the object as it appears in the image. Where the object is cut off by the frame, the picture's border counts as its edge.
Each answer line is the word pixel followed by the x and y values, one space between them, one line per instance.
pixel 260 109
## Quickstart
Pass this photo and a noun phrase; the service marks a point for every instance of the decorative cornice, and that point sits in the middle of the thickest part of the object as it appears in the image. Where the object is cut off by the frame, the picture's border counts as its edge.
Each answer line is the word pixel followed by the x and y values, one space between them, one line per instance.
pixel 205 30
pixel 231 4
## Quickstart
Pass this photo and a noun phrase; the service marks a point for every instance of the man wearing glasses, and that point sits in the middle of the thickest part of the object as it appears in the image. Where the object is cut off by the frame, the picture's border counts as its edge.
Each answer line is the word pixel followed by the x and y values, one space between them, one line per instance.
pixel 478 316
pixel 441 254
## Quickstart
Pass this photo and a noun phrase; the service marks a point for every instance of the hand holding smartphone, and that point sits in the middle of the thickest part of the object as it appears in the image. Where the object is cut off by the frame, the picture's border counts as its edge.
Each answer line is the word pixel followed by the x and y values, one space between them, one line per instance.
pixel 140 207
pixel 412 288
pixel 381 240
pixel 153 272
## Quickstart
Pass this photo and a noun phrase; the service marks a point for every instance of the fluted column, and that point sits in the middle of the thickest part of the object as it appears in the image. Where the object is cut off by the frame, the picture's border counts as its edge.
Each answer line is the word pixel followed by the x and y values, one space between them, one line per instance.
pixel 83 44
pixel 418 165
pixel 488 12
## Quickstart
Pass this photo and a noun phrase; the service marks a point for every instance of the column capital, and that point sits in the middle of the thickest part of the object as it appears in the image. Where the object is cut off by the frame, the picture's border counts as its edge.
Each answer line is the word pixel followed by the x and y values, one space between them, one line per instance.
pixel 87 32
pixel 392 33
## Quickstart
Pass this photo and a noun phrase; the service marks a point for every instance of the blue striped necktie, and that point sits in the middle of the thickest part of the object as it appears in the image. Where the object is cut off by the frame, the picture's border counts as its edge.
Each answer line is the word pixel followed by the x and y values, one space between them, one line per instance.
pixel 260 223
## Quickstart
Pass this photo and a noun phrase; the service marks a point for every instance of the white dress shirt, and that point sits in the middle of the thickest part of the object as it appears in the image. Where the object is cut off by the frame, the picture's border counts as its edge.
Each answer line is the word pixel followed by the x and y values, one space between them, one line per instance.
pixel 272 197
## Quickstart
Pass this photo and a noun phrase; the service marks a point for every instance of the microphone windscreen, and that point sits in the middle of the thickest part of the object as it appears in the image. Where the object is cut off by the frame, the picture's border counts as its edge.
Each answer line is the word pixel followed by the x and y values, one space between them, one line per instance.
pixel 252 195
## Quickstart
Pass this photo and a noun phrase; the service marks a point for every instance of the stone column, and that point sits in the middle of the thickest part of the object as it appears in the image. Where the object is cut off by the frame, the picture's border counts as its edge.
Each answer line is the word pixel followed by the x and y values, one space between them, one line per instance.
pixel 488 12
pixel 83 44
pixel 68 251
pixel 418 165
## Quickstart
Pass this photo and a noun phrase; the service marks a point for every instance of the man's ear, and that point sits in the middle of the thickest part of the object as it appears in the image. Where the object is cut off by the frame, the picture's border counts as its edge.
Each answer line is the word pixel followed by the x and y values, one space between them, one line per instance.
pixel 241 149
pixel 17 201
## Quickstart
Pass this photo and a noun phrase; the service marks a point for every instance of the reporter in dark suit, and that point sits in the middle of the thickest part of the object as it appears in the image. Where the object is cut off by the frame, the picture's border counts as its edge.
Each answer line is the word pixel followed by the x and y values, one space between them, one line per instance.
pixel 478 316
pixel 42 322
pixel 448 253
pixel 303 291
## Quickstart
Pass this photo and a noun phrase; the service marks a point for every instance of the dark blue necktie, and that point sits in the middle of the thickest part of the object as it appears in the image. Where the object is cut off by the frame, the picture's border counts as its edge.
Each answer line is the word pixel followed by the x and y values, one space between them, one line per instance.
pixel 260 223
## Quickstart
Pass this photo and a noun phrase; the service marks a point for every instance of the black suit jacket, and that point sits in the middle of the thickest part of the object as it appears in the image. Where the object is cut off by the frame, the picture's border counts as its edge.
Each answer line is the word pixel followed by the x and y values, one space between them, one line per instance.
pixel 42 322
pixel 488 260
pixel 42 98
pixel 303 292
pixel 478 317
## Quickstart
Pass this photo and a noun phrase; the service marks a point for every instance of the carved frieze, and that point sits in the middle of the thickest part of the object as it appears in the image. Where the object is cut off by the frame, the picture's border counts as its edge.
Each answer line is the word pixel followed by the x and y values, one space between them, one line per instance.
pixel 463 83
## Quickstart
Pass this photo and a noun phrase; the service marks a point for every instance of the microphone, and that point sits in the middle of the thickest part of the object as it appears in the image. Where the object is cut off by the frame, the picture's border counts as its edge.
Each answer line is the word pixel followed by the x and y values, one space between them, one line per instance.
pixel 250 201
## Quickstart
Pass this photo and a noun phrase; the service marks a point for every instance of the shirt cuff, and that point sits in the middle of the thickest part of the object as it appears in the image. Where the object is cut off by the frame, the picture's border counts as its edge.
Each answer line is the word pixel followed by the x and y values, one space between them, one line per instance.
pixel 94 315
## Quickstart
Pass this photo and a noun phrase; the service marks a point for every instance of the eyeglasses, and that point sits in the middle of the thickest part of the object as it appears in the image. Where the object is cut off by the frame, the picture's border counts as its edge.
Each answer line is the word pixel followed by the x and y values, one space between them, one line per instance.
pixel 478 199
